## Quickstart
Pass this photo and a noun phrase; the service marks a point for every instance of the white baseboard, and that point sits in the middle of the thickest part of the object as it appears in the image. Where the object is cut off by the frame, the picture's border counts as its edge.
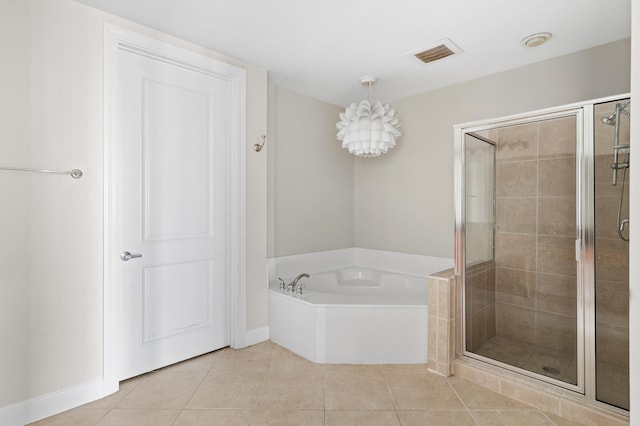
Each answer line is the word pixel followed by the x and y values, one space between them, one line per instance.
pixel 35 409
pixel 259 335
pixel 38 408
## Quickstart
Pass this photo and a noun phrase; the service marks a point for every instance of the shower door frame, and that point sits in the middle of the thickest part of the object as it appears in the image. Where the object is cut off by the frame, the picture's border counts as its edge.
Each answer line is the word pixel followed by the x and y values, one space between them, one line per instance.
pixel 585 233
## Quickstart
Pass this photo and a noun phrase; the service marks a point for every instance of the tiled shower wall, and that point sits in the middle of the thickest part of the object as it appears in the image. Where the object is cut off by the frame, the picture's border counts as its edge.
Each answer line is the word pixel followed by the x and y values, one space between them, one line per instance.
pixel 481 297
pixel 535 233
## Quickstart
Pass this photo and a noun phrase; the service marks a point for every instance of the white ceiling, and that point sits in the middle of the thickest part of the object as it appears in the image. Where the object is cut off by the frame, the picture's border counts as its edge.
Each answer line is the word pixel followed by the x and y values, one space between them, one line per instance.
pixel 321 48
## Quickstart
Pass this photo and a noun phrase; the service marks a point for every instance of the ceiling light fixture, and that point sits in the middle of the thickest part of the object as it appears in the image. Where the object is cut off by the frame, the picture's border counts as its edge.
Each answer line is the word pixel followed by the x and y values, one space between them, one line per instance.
pixel 368 129
pixel 536 39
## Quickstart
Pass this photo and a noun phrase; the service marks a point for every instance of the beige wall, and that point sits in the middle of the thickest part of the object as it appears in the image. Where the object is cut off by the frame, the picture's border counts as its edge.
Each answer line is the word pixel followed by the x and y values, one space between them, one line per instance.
pixel 14 190
pixel 311 177
pixel 256 291
pixel 404 199
pixel 51 246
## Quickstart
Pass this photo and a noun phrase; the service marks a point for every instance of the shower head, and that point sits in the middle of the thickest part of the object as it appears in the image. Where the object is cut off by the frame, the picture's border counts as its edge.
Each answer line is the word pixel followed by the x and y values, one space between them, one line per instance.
pixel 620 108
pixel 610 120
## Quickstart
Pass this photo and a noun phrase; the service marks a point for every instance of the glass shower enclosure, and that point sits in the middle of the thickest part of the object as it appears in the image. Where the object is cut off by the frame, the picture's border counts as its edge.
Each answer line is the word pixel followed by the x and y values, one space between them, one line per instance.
pixel 542 245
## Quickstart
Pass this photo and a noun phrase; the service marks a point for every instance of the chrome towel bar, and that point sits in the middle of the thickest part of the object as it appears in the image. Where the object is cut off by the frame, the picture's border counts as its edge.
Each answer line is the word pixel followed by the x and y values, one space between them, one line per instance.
pixel 75 173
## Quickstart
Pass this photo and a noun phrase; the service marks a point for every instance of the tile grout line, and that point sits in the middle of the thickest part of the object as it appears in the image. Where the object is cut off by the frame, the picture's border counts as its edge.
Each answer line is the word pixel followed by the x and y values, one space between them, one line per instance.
pixel 324 394
pixel 103 417
pixel 462 402
pixel 264 379
pixel 547 417
pixel 195 390
pixel 144 378
pixel 393 400
pixel 191 397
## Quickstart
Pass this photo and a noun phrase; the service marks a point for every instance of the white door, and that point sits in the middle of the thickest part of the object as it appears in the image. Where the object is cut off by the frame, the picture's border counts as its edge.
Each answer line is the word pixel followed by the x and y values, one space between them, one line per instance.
pixel 172 131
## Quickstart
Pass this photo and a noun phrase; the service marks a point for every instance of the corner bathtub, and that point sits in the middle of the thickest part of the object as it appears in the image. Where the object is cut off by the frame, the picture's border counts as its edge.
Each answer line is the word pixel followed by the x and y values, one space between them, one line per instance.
pixel 352 316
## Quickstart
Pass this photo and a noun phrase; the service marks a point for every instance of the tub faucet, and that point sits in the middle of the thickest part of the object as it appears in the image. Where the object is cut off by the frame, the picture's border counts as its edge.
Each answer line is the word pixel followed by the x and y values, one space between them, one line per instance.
pixel 293 286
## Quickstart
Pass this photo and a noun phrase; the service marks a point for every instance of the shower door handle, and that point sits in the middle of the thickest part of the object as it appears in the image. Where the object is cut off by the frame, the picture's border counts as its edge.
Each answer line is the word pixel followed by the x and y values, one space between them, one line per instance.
pixel 125 255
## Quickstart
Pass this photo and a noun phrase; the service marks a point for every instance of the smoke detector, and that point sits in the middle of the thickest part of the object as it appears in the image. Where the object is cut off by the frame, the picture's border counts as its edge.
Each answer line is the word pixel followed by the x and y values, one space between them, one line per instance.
pixel 536 39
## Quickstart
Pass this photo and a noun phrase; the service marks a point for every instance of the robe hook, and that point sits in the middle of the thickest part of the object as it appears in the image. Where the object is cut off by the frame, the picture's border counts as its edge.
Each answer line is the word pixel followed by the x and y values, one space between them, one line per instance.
pixel 257 147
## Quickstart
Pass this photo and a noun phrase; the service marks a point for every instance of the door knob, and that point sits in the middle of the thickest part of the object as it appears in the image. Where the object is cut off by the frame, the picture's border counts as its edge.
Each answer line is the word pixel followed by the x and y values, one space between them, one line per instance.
pixel 125 255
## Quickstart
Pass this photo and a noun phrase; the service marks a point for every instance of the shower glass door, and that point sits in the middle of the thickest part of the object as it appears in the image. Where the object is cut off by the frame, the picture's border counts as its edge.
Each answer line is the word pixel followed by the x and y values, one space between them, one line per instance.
pixel 520 271
pixel 611 173
pixel 479 171
pixel 542 245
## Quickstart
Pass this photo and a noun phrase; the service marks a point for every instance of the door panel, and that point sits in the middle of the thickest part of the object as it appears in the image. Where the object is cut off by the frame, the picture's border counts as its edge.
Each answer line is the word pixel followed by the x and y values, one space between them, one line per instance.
pixel 164 293
pixel 165 140
pixel 171 186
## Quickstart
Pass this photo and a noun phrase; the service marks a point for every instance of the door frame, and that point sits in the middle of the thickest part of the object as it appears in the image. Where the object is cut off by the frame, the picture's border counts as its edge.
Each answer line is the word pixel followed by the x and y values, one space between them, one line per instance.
pixel 117 39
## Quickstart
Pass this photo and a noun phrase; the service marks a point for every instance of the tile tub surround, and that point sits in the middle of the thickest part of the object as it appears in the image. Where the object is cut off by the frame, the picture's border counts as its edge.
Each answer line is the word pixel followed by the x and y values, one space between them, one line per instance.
pixel 441 322
pixel 566 405
pixel 268 385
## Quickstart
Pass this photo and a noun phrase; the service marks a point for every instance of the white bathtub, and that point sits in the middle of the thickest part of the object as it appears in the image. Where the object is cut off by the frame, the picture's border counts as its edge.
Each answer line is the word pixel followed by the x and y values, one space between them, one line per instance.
pixel 352 315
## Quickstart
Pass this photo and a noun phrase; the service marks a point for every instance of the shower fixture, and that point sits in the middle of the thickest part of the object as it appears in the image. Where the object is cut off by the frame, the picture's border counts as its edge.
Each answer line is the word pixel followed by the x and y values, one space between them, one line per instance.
pixel 614 120
pixel 611 119
pixel 622 223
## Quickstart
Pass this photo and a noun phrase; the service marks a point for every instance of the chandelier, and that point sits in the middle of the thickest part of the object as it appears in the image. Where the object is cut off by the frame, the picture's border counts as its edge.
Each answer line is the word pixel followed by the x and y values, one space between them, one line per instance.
pixel 368 129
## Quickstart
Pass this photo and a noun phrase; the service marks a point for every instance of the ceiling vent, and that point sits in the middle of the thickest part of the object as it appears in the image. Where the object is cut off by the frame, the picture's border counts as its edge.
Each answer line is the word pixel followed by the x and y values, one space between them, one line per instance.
pixel 439 50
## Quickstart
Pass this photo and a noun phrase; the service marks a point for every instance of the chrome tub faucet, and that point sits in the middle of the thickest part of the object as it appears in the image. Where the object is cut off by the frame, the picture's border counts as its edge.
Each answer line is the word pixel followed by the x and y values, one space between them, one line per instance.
pixel 294 286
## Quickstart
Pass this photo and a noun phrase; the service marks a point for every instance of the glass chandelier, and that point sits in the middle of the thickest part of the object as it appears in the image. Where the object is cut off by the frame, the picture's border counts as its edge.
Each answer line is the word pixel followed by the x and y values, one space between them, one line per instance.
pixel 368 129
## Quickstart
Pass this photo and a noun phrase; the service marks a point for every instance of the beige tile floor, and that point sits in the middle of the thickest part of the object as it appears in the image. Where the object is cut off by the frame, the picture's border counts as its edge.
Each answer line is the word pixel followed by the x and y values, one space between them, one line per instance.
pixel 268 385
